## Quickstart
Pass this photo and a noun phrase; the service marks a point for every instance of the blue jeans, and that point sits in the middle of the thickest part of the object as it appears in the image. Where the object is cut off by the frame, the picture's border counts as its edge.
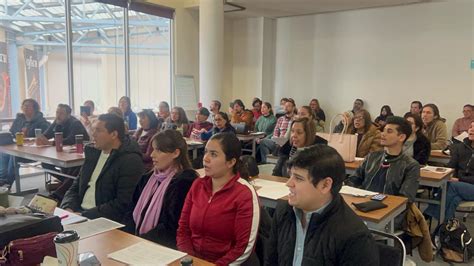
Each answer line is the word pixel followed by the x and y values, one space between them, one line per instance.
pixel 457 192
pixel 266 147
pixel 6 168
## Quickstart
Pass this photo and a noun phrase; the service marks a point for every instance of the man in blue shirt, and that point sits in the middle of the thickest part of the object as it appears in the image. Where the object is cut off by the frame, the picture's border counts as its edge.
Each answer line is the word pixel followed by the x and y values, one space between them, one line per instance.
pixel 315 226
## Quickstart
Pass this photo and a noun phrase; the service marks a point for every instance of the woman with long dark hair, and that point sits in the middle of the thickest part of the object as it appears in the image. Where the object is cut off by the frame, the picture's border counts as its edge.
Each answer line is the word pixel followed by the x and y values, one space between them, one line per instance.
pixel 160 194
pixel 144 135
pixel 129 116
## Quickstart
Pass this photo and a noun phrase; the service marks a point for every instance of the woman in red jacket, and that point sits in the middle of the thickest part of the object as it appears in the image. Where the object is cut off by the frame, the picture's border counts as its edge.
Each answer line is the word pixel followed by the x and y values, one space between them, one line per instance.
pixel 220 217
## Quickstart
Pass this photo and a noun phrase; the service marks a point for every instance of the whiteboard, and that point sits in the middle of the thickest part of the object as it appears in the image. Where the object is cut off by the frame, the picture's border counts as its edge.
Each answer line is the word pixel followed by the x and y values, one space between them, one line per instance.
pixel 185 93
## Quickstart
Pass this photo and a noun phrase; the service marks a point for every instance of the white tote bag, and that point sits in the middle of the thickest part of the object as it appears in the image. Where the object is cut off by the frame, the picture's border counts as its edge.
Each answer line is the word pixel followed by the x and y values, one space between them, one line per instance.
pixel 345 144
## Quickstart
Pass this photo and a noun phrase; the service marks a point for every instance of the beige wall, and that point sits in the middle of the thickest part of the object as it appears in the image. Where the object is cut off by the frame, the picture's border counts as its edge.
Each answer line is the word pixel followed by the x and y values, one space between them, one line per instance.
pixel 384 56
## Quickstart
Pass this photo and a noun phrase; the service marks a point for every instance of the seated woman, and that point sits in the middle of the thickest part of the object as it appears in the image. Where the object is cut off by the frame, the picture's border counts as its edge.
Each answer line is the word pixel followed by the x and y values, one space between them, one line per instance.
pixel 460 187
pixel 177 121
pixel 143 136
pixel 129 116
pixel 385 112
pixel 368 135
pixel 318 112
pixel 305 111
pixel 221 125
pixel 200 125
pixel 27 121
pixel 159 195
pixel 220 217
pixel 303 134
pixel 434 127
pixel 417 145
pixel 267 121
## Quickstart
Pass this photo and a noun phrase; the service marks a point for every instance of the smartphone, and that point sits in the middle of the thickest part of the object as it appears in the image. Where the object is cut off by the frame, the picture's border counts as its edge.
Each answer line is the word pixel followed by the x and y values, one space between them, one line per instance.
pixel 85 110
pixel 88 259
pixel 378 197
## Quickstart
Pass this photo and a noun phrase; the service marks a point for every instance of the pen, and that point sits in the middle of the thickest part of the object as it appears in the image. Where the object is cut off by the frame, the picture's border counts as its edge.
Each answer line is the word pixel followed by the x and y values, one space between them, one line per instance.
pixel 64 216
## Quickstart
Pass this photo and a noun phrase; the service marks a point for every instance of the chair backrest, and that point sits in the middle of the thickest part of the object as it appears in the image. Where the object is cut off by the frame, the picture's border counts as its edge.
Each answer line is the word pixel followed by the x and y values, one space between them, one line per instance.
pixel 390 255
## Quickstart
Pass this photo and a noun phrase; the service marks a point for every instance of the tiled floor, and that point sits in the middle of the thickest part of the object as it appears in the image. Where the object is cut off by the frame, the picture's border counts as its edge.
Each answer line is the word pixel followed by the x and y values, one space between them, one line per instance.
pixel 38 182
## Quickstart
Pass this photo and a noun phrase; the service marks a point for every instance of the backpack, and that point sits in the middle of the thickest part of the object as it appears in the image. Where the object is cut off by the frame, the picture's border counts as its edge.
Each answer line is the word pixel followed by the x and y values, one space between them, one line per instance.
pixel 453 241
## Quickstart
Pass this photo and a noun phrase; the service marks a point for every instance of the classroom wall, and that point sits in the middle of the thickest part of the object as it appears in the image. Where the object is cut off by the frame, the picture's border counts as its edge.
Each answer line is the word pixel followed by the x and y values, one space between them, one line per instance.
pixel 385 56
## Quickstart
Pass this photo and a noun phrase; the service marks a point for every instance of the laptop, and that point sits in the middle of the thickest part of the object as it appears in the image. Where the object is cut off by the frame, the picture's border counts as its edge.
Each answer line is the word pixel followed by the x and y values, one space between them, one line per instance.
pixel 241 128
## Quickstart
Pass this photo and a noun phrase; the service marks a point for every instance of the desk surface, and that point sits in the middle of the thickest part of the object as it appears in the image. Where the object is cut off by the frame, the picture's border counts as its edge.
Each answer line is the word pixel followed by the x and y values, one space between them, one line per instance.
pixel 393 202
pixel 439 154
pixel 106 243
pixel 424 174
pixel 46 154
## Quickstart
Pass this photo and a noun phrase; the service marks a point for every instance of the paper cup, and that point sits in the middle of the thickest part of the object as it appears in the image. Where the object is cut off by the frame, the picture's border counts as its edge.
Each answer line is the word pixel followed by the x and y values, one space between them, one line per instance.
pixel 67 247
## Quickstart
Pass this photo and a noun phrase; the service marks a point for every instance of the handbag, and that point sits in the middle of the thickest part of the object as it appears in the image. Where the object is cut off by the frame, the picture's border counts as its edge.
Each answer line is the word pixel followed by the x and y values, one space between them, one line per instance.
pixel 344 144
pixel 29 251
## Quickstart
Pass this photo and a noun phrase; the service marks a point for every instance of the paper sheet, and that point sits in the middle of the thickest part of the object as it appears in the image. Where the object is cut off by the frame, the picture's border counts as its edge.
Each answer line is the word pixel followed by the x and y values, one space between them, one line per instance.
pixel 435 169
pixel 271 189
pixel 280 141
pixel 462 136
pixel 14 201
pixel 69 217
pixel 348 190
pixel 145 253
pixel 93 227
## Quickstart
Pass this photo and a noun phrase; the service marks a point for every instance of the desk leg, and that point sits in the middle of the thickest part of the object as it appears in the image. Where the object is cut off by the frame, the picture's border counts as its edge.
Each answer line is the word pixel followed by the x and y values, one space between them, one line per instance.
pixel 18 191
pixel 254 147
pixel 391 230
pixel 442 206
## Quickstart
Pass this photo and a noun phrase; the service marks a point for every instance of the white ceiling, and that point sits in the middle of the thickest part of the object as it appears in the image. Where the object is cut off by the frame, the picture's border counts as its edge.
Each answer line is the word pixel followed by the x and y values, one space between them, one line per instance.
pixel 285 8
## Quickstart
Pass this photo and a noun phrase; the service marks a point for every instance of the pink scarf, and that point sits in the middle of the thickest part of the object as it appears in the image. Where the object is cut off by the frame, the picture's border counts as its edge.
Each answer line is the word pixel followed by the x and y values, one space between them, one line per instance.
pixel 154 193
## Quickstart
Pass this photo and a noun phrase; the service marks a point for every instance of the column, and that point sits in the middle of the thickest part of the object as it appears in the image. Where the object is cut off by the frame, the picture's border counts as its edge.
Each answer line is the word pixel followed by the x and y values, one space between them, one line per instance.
pixel 211 50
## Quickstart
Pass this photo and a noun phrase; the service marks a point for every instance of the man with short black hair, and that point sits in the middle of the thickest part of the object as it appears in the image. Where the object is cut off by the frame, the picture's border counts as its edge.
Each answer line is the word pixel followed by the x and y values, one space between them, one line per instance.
pixel 201 124
pixel 109 175
pixel 241 115
pixel 315 226
pixel 390 171
pixel 415 108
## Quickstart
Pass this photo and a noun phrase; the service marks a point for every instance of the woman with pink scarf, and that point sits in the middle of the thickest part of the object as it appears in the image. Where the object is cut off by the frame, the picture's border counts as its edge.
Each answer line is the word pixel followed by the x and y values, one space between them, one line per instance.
pixel 160 194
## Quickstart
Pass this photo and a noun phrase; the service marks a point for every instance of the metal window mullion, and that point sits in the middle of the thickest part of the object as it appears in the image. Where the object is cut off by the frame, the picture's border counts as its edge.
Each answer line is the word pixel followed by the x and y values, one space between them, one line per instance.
pixel 126 38
pixel 69 55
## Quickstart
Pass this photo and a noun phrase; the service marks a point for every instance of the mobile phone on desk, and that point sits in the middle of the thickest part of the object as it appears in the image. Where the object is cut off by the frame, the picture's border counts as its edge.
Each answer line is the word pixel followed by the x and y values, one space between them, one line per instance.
pixel 378 197
pixel 88 259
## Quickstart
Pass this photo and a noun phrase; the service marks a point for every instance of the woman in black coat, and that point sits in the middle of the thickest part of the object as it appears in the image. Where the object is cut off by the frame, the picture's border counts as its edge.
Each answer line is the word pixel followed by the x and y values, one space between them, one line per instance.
pixel 417 145
pixel 160 194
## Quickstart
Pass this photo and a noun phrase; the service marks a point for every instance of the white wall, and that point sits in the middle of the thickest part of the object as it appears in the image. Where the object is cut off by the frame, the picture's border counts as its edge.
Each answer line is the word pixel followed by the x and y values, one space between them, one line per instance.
pixel 384 56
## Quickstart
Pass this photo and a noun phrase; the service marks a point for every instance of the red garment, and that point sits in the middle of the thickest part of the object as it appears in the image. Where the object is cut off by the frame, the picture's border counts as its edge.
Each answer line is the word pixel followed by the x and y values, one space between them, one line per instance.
pixel 220 228
pixel 256 115
pixel 193 131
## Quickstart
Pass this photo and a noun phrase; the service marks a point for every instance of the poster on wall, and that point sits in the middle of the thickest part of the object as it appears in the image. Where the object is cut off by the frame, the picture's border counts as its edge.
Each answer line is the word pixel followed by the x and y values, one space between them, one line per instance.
pixel 32 75
pixel 5 93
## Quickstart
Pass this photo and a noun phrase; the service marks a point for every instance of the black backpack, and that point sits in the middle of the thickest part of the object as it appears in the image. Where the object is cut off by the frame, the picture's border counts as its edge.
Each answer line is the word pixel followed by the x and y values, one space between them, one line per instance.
pixel 453 241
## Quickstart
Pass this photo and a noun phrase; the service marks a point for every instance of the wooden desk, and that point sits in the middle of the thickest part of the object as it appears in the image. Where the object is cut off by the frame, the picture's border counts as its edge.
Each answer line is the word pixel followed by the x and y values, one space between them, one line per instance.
pixel 103 244
pixel 251 137
pixel 427 178
pixel 46 154
pixel 438 156
pixel 376 219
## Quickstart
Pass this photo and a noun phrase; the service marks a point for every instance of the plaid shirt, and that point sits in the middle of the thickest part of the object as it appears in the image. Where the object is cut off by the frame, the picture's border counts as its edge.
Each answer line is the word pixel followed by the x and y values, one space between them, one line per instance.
pixel 281 126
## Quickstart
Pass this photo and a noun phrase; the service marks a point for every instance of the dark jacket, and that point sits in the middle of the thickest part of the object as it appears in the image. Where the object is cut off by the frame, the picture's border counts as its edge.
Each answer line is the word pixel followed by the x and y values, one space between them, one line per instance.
pixel 337 236
pixel 280 168
pixel 165 232
pixel 207 135
pixel 462 160
pixel 131 119
pixel 20 122
pixel 70 129
pixel 115 184
pixel 402 176
pixel 421 149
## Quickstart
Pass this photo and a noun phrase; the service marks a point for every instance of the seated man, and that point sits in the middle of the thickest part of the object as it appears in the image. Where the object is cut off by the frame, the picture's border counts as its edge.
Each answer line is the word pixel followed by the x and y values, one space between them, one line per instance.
pixel 241 115
pixel 70 127
pixel 267 146
pixel 390 171
pixel 109 175
pixel 461 187
pixel 462 124
pixel 201 124
pixel 315 226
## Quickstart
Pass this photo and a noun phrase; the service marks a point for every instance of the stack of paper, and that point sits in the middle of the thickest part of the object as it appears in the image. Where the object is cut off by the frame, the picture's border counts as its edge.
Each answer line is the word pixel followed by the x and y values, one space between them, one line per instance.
pixel 146 253
pixel 271 189
pixel 93 227
pixel 356 191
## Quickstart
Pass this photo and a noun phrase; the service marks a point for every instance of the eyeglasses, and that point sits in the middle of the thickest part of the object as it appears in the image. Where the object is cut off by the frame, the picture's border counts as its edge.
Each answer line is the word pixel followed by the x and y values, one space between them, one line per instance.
pixel 358 117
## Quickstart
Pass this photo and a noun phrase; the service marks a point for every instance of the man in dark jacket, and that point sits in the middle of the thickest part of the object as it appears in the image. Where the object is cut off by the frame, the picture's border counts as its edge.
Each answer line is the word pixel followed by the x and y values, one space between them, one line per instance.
pixel 315 226
pixel 390 171
pixel 65 123
pixel 109 175
pixel 460 187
